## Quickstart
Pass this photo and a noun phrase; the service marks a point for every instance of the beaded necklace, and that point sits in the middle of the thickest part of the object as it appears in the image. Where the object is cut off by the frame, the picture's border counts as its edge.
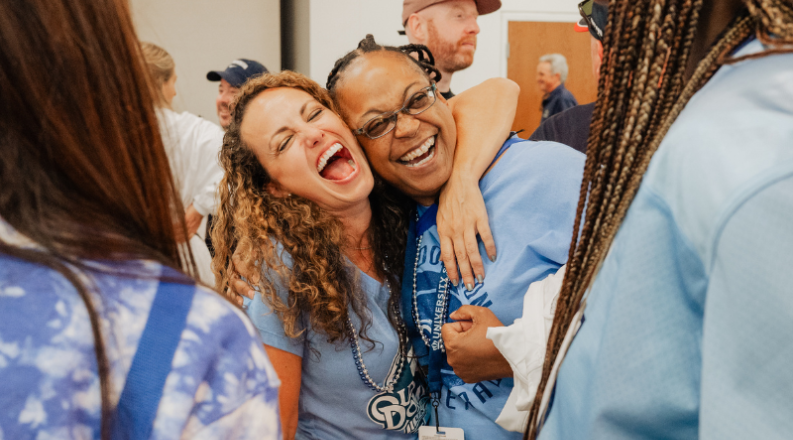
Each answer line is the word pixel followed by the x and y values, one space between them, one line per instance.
pixel 401 356
pixel 416 317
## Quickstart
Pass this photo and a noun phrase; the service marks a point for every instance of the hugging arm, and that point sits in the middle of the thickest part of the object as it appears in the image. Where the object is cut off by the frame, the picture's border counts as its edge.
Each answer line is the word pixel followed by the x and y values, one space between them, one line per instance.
pixel 483 116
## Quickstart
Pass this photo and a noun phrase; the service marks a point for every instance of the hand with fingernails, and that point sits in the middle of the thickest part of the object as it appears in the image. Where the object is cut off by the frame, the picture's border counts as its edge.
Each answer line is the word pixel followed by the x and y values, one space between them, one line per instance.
pixel 238 287
pixel 461 217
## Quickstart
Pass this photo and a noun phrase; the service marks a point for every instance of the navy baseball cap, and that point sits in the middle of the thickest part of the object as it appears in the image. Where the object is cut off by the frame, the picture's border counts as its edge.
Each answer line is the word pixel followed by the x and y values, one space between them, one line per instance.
pixel 238 72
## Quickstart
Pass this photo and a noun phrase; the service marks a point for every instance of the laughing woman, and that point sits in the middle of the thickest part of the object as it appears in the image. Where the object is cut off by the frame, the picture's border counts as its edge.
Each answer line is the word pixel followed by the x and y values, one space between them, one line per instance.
pixel 300 201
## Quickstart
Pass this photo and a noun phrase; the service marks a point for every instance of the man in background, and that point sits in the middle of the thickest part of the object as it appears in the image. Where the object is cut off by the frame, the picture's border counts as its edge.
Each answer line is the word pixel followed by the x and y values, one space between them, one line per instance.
pixel 551 75
pixel 231 80
pixel 571 127
pixel 448 28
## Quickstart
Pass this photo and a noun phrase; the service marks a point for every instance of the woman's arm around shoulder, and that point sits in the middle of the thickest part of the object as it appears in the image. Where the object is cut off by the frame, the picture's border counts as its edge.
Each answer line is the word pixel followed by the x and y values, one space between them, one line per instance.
pixel 483 115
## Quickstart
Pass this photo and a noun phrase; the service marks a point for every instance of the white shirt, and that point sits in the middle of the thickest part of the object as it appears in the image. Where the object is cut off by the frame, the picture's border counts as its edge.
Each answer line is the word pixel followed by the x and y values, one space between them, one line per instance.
pixel 523 345
pixel 193 145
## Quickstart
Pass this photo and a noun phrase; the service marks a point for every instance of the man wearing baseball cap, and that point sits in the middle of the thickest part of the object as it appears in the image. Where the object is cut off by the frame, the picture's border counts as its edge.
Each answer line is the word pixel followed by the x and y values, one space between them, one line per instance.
pixel 571 127
pixel 231 79
pixel 448 28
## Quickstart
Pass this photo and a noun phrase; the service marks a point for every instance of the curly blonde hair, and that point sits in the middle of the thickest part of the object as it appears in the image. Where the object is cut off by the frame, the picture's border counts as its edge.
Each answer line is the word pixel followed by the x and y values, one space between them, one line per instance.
pixel 252 223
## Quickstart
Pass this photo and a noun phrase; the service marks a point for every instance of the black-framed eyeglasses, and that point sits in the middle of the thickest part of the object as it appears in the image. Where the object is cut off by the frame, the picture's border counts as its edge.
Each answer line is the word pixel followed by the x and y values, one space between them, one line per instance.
pixel 585 9
pixel 383 123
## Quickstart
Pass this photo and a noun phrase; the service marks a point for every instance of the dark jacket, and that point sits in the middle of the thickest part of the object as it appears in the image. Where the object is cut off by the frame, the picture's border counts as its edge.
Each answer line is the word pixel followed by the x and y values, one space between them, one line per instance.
pixel 559 100
pixel 570 127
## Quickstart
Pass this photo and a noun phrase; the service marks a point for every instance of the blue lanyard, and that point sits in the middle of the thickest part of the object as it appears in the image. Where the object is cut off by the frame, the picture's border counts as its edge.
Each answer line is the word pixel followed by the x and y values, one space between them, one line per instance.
pixel 427 220
pixel 436 348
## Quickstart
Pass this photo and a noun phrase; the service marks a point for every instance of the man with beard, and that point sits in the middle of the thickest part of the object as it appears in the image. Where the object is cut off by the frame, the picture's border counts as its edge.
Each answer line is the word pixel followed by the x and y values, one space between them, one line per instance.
pixel 231 79
pixel 448 28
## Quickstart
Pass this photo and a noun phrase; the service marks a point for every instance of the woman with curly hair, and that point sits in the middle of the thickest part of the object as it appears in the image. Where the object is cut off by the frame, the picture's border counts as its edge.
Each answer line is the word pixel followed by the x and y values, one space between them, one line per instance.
pixel 300 204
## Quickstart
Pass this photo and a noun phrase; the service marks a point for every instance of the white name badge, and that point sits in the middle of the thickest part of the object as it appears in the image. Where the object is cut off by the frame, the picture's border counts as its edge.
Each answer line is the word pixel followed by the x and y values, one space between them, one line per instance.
pixel 429 433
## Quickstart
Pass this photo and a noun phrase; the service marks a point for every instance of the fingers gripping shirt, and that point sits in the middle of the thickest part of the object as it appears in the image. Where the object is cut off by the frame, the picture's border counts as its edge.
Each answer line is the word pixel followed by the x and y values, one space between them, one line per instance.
pixel 531 196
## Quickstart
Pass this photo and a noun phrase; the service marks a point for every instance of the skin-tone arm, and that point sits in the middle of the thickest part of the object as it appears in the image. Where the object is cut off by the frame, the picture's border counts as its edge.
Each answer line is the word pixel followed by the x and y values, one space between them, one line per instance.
pixel 192 219
pixel 288 366
pixel 474 357
pixel 484 116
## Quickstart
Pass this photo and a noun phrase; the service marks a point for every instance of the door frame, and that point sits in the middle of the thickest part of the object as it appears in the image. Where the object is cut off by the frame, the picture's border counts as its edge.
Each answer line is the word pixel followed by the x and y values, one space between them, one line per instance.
pixel 507 16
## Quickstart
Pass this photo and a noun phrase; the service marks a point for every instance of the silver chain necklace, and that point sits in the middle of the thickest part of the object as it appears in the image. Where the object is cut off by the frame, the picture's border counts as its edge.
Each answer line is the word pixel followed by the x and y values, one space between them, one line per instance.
pixel 416 316
pixel 401 355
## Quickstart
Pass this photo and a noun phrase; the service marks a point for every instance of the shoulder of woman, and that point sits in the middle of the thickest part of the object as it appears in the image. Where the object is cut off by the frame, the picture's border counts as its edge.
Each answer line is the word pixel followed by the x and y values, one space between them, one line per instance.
pixel 541 161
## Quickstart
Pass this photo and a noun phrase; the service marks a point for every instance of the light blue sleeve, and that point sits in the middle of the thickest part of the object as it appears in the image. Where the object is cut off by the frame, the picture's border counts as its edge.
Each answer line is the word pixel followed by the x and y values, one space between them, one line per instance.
pixel 544 184
pixel 747 354
pixel 269 325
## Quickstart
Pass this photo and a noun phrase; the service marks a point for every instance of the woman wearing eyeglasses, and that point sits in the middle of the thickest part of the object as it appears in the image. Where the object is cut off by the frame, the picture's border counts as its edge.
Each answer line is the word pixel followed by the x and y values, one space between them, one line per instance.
pixel 530 192
pixel 299 202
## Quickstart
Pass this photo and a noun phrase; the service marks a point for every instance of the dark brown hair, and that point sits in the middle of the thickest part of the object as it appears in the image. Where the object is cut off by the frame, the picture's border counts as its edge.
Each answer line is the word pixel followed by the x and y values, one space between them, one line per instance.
pixel 642 90
pixel 83 173
pixel 252 222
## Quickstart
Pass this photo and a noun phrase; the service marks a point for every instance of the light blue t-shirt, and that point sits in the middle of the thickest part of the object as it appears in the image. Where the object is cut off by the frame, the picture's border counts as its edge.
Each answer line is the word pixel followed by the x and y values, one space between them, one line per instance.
pixel 334 401
pixel 221 384
pixel 688 326
pixel 531 196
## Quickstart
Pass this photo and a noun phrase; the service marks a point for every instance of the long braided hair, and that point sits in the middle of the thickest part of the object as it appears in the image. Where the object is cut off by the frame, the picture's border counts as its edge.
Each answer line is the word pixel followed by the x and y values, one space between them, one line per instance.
pixel 642 90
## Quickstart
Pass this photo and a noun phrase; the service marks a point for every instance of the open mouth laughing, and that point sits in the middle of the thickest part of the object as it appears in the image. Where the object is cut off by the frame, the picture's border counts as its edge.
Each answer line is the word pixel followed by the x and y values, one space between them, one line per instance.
pixel 336 163
pixel 420 155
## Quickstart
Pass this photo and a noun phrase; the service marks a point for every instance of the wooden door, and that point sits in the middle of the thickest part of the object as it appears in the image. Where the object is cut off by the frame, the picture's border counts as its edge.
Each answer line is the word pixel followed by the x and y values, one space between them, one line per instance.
pixel 528 41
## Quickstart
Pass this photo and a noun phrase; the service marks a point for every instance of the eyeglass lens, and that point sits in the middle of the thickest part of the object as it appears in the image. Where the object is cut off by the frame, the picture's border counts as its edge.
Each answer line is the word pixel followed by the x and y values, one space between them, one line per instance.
pixel 382 124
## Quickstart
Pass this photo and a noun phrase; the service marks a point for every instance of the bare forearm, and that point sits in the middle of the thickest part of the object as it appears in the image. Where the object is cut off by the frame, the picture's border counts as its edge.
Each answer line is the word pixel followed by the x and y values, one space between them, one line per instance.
pixel 484 116
pixel 288 366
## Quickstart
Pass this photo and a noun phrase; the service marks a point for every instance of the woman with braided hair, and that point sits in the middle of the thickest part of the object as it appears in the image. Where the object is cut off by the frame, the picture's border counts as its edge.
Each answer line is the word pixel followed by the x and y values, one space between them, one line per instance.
pixel 676 311
pixel 530 192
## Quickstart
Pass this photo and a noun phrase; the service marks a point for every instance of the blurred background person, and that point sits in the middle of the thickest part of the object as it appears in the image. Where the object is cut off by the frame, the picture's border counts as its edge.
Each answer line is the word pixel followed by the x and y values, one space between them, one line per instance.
pixel 571 127
pixel 192 145
pixel 551 75
pixel 89 259
pixel 231 79
pixel 448 28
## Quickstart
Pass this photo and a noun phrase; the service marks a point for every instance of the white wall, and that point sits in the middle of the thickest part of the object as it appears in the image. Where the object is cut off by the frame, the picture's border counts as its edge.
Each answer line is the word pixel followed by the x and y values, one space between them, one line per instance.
pixel 204 35
pixel 336 26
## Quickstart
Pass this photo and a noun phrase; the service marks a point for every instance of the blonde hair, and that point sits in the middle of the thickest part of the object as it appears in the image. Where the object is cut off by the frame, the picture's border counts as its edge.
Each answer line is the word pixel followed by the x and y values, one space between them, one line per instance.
pixel 161 68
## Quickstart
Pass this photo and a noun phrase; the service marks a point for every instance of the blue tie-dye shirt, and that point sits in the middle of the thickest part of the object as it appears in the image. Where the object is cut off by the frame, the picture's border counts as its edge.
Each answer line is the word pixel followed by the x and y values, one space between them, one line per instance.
pixel 221 384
